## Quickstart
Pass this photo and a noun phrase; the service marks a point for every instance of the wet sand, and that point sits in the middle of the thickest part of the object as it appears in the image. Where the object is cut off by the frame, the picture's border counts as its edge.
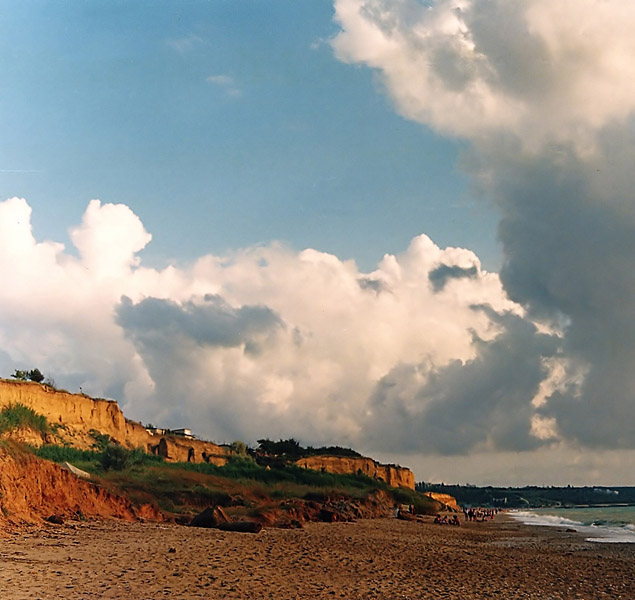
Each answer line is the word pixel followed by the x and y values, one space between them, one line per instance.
pixel 383 559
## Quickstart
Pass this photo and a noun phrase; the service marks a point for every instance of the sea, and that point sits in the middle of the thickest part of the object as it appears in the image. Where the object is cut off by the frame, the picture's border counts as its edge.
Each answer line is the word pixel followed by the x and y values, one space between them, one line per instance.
pixel 602 524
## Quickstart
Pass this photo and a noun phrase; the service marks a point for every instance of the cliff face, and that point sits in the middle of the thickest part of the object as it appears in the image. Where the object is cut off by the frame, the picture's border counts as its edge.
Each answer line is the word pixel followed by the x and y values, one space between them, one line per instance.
pixel 78 414
pixel 449 502
pixel 32 489
pixel 186 450
pixel 393 475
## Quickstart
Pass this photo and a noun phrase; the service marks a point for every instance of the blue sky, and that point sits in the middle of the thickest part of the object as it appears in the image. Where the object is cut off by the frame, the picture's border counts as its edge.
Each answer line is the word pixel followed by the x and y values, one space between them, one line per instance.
pixel 225 124
pixel 472 157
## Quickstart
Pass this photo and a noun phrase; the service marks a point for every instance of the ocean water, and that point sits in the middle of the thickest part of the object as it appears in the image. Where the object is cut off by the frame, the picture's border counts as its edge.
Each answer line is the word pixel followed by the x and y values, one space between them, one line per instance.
pixel 612 524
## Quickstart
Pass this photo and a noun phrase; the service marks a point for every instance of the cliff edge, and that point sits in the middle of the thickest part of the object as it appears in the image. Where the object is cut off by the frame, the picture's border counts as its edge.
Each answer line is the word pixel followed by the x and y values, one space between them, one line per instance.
pixel 393 475
pixel 75 415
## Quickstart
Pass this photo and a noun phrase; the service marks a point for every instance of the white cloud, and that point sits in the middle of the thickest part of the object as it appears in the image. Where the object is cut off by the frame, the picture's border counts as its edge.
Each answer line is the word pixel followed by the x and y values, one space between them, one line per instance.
pixel 295 340
pixel 542 90
pixel 548 71
pixel 424 354
pixel 226 83
pixel 186 43
pixel 108 240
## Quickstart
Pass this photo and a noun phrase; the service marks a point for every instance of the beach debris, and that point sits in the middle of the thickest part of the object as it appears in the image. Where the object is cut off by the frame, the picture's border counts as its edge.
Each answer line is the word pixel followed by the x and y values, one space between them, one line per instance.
pixel 56 519
pixel 404 516
pixel 214 517
pixel 76 471
pixel 241 526
pixel 211 517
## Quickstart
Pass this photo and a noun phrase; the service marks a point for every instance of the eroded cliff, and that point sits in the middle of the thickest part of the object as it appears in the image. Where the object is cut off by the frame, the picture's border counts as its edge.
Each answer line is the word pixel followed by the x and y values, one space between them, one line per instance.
pixel 78 414
pixel 32 489
pixel 449 502
pixel 393 475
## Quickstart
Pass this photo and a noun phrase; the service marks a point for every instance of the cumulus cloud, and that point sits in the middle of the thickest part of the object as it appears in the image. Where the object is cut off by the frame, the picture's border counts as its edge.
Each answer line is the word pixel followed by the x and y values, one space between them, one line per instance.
pixel 478 404
pixel 547 70
pixel 264 341
pixel 541 89
pixel 424 354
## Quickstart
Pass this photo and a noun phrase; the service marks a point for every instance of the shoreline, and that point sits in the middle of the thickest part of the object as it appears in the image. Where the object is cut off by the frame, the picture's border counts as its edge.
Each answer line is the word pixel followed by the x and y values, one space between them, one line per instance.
pixel 597 527
pixel 380 559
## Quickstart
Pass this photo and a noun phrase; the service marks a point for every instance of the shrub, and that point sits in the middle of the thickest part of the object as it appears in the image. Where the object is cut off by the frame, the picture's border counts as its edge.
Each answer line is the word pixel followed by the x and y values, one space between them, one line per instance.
pixel 101 440
pixel 423 504
pixel 241 451
pixel 117 458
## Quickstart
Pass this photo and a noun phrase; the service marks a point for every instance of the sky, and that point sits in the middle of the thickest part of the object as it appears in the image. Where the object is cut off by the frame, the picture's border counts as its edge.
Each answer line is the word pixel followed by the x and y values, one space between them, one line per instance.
pixel 405 227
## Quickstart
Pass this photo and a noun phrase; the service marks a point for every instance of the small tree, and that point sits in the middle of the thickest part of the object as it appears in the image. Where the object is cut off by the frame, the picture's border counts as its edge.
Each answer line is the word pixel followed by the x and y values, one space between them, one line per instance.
pixel 35 375
pixel 32 375
pixel 239 448
pixel 290 448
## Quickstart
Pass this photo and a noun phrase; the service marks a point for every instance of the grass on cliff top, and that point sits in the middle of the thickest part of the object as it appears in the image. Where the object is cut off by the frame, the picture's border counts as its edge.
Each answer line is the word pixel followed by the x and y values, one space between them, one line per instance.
pixel 109 457
pixel 19 416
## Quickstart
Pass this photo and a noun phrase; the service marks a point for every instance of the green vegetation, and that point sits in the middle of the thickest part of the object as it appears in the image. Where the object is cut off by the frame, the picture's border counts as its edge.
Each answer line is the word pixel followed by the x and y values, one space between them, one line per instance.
pixel 242 486
pixel 111 458
pixel 118 458
pixel 249 484
pixel 264 481
pixel 246 470
pixel 239 449
pixel 101 440
pixel 32 375
pixel 246 488
pixel 17 416
pixel 532 496
pixel 292 450
pixel 60 454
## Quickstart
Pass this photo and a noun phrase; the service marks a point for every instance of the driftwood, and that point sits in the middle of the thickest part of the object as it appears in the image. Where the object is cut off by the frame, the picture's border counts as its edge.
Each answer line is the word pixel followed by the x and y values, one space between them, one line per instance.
pixel 406 516
pixel 241 526
pixel 215 518
pixel 211 517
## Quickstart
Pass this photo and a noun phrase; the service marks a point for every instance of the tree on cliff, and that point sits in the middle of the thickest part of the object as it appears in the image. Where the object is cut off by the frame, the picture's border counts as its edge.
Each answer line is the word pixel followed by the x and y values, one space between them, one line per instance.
pixel 35 375
pixel 290 448
pixel 32 375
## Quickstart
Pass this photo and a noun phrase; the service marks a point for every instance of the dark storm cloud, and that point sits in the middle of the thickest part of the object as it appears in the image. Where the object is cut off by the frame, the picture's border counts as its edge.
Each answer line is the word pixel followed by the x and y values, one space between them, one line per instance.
pixel 173 339
pixel 548 114
pixel 456 408
pixel 568 235
pixel 210 323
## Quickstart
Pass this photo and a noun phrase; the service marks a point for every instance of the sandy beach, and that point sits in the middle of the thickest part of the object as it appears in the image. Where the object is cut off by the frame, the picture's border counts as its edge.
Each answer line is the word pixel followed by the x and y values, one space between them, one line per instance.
pixel 378 559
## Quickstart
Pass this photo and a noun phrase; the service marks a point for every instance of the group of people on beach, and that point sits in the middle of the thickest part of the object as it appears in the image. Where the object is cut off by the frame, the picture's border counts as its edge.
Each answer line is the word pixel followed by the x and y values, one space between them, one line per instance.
pixel 480 514
pixel 443 520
